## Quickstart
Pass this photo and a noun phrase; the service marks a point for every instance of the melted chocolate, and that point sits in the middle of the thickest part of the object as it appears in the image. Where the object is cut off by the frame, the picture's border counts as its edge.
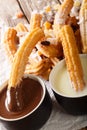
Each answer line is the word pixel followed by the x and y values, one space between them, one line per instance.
pixel 31 96
pixel 14 98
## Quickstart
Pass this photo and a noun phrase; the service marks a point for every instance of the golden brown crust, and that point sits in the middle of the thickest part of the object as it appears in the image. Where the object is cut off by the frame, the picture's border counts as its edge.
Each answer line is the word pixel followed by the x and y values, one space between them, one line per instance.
pixel 78 40
pixel 10 43
pixel 39 68
pixel 72 57
pixel 83 25
pixel 21 28
pixel 61 15
pixel 35 21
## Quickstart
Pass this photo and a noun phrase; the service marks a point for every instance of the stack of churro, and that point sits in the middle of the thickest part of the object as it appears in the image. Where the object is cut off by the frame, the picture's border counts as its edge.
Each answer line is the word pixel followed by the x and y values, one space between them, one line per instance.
pixel 60 41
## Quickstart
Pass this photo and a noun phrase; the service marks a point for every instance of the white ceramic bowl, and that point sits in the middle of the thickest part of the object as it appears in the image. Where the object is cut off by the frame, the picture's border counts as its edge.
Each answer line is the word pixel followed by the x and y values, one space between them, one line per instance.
pixel 73 102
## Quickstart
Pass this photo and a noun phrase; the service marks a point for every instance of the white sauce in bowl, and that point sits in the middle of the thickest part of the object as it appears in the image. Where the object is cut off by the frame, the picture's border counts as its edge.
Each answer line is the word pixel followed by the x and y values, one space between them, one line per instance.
pixel 60 81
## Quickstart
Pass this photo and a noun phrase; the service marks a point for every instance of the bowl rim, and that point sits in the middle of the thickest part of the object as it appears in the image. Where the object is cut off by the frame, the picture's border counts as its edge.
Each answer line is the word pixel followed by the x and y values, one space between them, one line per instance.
pixel 51 77
pixel 40 102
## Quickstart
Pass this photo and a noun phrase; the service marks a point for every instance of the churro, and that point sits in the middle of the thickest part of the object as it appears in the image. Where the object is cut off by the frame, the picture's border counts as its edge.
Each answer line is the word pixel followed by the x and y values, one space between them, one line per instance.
pixel 39 68
pixel 78 40
pixel 21 57
pixel 10 43
pixel 83 25
pixel 35 21
pixel 61 15
pixel 21 28
pixel 72 57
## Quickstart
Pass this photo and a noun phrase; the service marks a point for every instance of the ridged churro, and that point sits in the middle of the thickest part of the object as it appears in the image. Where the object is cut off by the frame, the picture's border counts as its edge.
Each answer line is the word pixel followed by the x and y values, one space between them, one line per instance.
pixel 39 68
pixel 83 25
pixel 61 15
pixel 21 57
pixel 21 28
pixel 78 40
pixel 35 21
pixel 72 57
pixel 10 43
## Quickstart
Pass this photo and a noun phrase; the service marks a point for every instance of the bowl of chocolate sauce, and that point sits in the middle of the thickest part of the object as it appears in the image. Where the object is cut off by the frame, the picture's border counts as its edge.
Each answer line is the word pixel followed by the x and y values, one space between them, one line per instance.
pixel 36 110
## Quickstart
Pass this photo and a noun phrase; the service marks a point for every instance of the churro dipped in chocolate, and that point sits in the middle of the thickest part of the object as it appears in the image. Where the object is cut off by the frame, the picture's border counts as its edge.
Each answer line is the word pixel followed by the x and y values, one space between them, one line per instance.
pixel 10 42
pixel 83 25
pixel 72 57
pixel 14 90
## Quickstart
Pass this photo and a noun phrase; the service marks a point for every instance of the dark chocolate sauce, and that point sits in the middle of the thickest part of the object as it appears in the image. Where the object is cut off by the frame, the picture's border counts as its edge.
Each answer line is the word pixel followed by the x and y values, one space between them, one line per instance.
pixel 31 96
pixel 14 98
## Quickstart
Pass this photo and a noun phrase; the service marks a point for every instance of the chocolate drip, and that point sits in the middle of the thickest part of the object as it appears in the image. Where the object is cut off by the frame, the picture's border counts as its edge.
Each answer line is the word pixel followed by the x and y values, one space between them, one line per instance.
pixel 14 99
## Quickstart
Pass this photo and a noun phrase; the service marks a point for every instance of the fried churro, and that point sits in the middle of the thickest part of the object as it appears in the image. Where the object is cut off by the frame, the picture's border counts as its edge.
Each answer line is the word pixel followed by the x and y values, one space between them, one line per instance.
pixel 83 25
pixel 21 57
pixel 14 90
pixel 39 68
pixel 21 28
pixel 72 57
pixel 78 40
pixel 35 21
pixel 61 15
pixel 10 42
